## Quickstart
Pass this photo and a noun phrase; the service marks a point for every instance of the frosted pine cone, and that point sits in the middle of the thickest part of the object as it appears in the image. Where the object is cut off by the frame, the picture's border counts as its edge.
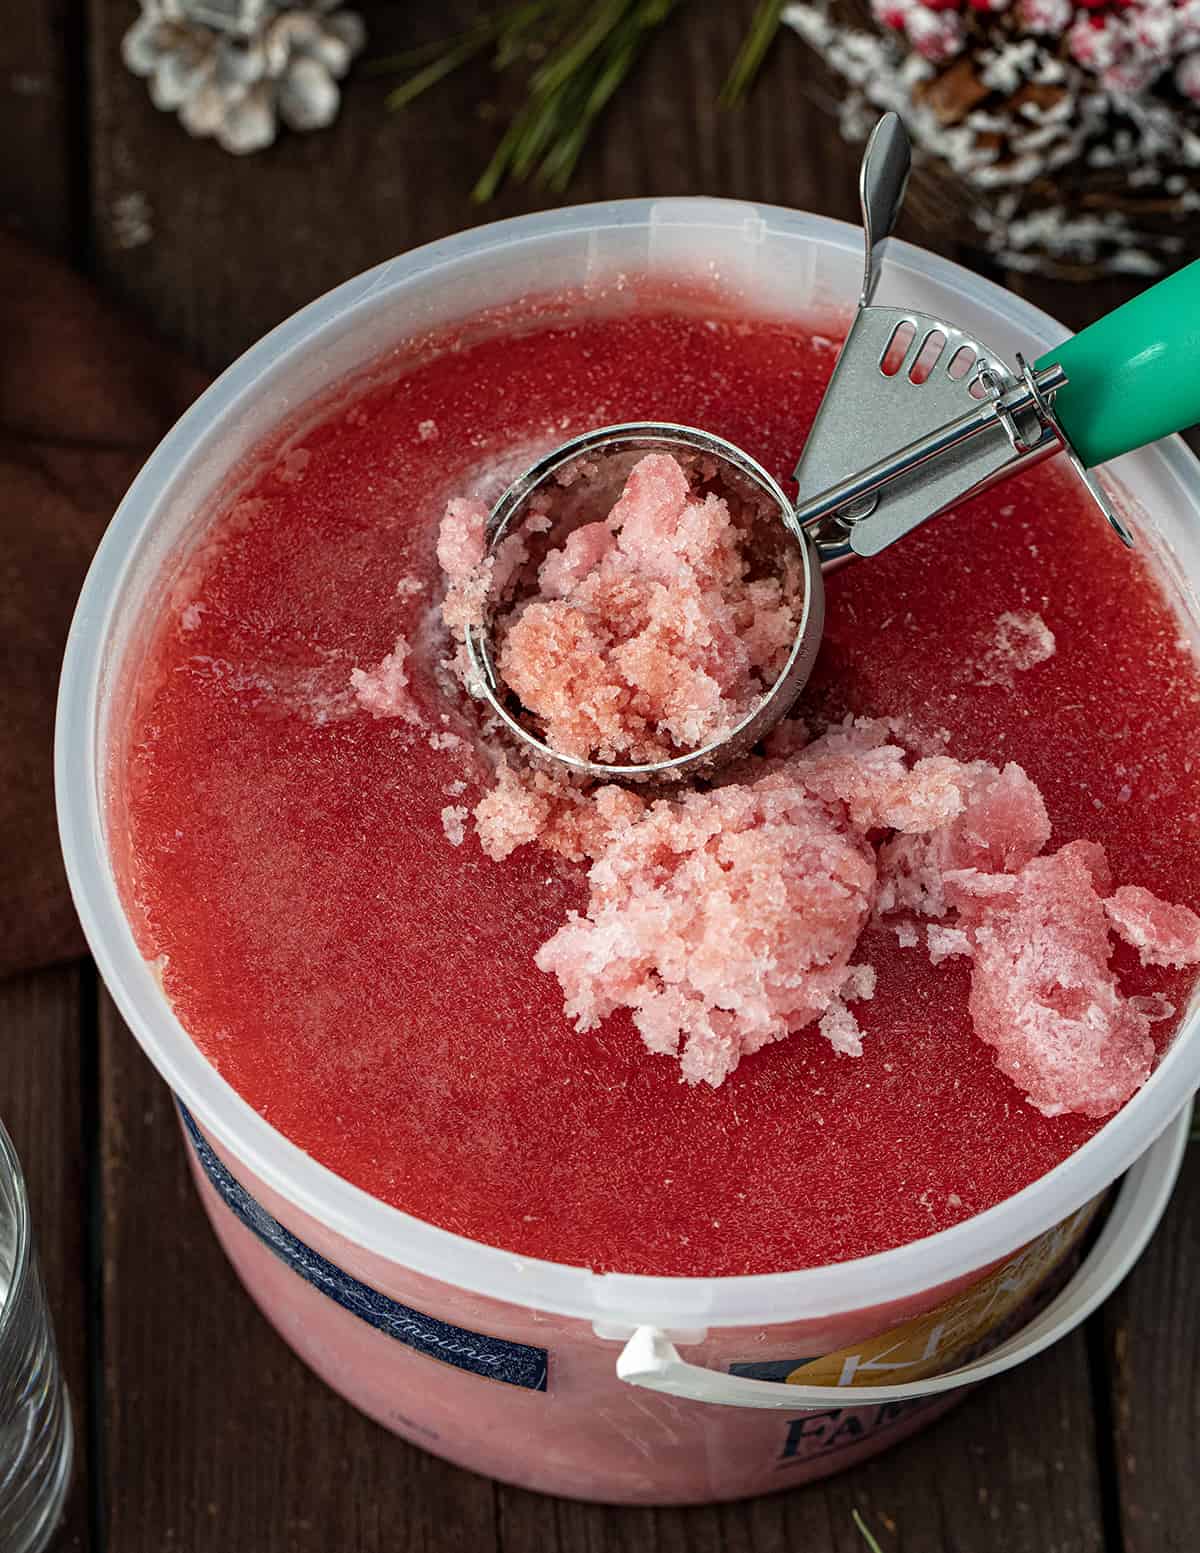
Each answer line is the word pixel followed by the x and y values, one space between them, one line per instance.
pixel 233 69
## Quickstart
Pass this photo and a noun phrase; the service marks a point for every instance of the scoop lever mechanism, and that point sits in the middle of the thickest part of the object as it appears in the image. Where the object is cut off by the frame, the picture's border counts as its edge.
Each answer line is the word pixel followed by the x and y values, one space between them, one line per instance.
pixel 943 415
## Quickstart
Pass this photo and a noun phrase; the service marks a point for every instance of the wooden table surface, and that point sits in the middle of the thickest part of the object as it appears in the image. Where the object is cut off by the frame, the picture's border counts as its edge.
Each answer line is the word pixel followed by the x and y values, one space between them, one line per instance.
pixel 198 1429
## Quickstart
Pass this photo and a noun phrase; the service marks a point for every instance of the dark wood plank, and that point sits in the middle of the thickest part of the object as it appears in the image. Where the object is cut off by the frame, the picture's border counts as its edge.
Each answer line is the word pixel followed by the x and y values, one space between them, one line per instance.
pixel 218 1437
pixel 42 1023
pixel 1153 1346
pixel 40 82
pixel 41 1107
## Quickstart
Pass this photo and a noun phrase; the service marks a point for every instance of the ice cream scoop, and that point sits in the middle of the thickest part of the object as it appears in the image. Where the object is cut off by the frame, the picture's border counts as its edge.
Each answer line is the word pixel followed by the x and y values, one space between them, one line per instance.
pixel 918 415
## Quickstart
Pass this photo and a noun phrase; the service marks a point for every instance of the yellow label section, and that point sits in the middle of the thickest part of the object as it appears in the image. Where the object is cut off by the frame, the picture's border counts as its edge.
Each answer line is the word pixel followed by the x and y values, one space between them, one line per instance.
pixel 934 1342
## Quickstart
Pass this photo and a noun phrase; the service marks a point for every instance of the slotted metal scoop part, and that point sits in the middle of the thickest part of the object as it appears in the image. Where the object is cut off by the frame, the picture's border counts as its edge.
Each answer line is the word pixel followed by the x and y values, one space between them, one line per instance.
pixel 941 415
pixel 918 416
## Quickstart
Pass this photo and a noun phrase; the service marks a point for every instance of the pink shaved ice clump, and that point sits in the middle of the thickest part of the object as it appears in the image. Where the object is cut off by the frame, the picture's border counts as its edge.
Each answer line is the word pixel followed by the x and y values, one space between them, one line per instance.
pixel 648 635
pixel 1161 933
pixel 724 920
pixel 383 690
pixel 728 917
pixel 1042 991
pixel 471 574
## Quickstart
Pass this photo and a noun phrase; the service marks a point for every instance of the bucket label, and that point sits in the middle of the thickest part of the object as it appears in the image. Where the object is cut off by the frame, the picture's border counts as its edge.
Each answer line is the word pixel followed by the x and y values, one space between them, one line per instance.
pixel 948 1334
pixel 495 1358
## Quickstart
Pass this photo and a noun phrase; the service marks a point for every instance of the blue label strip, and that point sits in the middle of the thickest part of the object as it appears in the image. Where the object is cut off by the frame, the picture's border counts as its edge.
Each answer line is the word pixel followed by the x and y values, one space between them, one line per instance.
pixel 495 1358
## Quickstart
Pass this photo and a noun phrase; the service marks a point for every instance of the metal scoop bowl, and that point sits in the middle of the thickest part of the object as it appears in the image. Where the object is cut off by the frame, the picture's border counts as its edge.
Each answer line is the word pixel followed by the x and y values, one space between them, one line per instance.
pixel 620 447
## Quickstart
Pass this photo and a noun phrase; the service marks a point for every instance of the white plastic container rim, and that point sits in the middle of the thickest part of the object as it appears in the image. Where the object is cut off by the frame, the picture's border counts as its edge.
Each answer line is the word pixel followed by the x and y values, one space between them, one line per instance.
pixel 612 1300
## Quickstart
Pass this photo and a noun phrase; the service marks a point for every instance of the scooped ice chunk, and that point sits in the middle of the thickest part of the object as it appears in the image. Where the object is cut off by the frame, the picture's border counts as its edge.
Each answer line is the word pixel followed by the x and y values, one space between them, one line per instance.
pixel 1042 991
pixel 574 822
pixel 471 574
pixel 461 543
pixel 454 819
pixel 1161 933
pixel 841 1029
pixel 945 942
pixel 838 1024
pixel 383 690
pixel 511 814
pixel 583 552
pixel 723 920
pixel 857 765
pixel 1000 825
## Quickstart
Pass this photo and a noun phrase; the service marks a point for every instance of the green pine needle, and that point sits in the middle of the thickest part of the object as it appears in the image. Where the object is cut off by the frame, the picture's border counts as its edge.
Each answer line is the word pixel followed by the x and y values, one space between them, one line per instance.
pixel 575 55
pixel 508 28
pixel 437 70
pixel 752 52
pixel 868 1535
pixel 569 91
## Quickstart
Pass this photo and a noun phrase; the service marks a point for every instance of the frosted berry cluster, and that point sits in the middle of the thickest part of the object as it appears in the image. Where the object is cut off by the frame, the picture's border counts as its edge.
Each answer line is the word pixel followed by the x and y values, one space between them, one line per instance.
pixel 1069 128
pixel 1127 44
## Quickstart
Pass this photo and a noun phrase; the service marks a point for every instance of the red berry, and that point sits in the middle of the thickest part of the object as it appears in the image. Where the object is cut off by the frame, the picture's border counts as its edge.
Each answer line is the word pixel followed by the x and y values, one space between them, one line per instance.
pixel 893 16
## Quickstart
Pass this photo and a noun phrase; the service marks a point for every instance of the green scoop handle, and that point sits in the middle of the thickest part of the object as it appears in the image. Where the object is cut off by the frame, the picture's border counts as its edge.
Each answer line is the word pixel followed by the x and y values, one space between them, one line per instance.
pixel 1134 376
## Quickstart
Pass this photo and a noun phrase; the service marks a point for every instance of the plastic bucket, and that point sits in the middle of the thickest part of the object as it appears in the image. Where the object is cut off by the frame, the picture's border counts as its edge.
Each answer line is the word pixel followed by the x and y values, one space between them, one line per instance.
pixel 547 1375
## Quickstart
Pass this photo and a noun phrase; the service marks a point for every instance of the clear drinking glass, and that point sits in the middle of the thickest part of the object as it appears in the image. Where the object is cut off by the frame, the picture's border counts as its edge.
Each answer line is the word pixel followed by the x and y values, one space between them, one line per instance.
pixel 35 1417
